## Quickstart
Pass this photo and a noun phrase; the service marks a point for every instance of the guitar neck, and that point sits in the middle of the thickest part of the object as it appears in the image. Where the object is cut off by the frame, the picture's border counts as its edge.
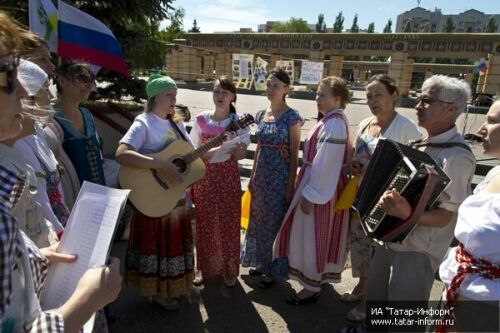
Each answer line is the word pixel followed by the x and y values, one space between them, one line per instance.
pixel 195 154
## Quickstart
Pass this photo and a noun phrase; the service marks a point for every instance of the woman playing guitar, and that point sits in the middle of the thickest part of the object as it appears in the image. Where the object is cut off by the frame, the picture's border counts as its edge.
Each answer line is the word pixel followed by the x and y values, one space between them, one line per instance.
pixel 160 256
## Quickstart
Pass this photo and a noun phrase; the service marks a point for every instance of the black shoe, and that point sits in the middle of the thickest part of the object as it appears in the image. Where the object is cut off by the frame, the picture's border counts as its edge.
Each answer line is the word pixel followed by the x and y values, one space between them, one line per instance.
pixel 295 300
pixel 265 284
pixel 254 272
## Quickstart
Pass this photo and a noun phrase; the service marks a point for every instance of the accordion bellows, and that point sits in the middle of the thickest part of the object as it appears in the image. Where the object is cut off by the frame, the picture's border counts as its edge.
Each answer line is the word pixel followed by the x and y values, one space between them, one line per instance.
pixel 413 173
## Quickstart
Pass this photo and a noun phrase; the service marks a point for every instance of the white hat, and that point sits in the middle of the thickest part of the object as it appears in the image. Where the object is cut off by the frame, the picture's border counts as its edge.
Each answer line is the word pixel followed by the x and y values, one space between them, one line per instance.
pixel 31 76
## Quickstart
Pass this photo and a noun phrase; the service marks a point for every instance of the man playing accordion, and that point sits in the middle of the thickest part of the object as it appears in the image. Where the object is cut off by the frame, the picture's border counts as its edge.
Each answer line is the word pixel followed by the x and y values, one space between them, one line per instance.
pixel 405 271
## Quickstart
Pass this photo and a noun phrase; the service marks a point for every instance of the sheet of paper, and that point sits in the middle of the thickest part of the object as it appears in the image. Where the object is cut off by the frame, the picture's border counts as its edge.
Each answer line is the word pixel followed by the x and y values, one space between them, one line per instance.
pixel 222 153
pixel 88 234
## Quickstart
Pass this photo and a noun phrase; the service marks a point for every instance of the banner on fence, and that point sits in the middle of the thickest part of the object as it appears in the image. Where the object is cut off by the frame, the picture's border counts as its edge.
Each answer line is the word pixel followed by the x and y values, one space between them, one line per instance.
pixel 243 70
pixel 287 65
pixel 260 74
pixel 311 72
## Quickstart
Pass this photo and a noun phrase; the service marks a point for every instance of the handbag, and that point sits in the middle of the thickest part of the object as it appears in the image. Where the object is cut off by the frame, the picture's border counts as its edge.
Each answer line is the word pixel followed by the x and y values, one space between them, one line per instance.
pixel 348 195
pixel 245 209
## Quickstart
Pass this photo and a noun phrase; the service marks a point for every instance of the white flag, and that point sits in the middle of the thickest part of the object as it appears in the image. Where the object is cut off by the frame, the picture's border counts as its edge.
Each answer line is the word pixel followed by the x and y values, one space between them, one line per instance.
pixel 43 21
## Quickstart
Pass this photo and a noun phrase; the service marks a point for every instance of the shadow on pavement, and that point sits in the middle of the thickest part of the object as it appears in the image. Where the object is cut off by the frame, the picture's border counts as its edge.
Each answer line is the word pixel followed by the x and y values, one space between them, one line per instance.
pixel 229 309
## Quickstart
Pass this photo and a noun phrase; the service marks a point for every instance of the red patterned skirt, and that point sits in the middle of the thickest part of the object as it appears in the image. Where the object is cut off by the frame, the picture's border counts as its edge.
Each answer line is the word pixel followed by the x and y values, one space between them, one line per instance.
pixel 217 198
pixel 160 258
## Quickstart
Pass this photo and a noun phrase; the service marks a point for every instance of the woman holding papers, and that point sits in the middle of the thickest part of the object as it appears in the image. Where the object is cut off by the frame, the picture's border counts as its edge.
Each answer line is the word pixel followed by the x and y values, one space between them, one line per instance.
pixel 24 266
pixel 313 234
pixel 160 260
pixel 273 179
pixel 217 195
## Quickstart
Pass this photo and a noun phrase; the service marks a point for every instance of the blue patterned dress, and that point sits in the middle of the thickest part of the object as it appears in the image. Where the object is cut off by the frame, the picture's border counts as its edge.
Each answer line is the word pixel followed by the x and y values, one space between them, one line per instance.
pixel 268 205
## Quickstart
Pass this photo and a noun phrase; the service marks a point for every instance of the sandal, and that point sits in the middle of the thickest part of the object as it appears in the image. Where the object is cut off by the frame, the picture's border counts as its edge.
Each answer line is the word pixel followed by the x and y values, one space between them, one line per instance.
pixel 169 304
pixel 198 281
pixel 254 272
pixel 356 315
pixel 351 298
pixel 230 281
pixel 295 300
pixel 265 284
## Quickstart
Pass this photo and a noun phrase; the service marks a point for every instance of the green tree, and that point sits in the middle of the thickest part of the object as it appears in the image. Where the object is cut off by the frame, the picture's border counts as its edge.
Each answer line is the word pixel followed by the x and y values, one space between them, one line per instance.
pixel 491 26
pixel 338 25
pixel 371 28
pixel 321 25
pixel 388 27
pixel 407 27
pixel 176 27
pixel 292 25
pixel 354 26
pixel 448 25
pixel 195 27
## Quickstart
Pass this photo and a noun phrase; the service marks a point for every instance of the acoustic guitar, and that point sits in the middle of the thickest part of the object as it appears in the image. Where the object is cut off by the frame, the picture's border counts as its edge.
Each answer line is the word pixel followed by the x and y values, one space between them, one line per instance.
pixel 151 193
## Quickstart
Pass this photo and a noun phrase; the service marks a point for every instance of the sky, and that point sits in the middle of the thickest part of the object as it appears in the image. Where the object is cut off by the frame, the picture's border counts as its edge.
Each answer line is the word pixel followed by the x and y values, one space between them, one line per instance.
pixel 231 15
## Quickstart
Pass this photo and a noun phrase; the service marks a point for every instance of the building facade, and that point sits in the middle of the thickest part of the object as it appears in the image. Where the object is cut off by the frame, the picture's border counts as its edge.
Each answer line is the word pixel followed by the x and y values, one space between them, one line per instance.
pixel 421 19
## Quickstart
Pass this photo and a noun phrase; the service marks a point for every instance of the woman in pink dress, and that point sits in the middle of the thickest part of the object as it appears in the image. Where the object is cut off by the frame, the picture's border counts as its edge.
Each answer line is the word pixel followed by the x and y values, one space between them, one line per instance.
pixel 217 195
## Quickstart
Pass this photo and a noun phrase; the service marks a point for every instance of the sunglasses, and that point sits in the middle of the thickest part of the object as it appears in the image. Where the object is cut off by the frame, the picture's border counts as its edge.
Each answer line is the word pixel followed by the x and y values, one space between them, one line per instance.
pixel 85 79
pixel 8 72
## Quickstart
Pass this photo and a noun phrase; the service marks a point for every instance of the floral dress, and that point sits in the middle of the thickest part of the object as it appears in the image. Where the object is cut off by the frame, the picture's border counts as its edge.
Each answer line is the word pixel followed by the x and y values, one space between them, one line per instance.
pixel 268 204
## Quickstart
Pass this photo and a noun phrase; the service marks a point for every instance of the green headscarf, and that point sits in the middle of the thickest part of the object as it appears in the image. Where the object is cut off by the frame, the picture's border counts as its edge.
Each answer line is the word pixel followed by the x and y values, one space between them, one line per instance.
pixel 159 83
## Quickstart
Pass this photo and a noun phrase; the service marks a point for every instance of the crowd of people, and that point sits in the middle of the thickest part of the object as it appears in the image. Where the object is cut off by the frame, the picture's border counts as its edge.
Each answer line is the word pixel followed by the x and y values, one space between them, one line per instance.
pixel 295 230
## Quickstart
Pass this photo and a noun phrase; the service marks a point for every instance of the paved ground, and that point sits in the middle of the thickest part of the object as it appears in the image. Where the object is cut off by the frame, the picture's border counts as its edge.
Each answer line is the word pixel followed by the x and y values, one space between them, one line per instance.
pixel 246 308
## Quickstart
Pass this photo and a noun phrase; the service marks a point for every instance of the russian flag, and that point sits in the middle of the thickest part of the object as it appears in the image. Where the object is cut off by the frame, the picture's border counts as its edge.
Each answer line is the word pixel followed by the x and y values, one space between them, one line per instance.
pixel 83 37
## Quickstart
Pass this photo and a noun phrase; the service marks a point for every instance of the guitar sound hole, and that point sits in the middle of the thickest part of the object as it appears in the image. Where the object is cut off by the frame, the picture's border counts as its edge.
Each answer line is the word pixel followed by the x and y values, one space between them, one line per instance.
pixel 180 164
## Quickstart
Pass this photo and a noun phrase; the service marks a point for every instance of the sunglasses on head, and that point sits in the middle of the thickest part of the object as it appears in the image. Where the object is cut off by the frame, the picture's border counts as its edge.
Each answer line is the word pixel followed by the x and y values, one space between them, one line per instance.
pixel 8 72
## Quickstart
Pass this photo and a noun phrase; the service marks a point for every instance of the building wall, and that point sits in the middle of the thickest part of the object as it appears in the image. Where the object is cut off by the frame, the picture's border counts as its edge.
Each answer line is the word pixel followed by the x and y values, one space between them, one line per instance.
pixel 469 21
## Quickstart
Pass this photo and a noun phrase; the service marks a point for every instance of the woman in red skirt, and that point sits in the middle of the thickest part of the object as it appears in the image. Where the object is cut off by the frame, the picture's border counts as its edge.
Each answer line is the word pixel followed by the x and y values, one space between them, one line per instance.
pixel 217 196
pixel 160 261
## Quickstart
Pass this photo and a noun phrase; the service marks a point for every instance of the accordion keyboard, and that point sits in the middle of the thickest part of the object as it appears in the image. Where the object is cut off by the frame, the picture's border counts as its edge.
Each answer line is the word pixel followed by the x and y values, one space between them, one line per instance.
pixel 399 182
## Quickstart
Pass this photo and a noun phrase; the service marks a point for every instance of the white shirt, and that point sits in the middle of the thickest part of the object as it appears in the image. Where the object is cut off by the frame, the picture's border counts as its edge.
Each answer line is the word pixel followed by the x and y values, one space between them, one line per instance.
pixel 196 131
pixel 459 164
pixel 478 229
pixel 35 150
pixel 150 134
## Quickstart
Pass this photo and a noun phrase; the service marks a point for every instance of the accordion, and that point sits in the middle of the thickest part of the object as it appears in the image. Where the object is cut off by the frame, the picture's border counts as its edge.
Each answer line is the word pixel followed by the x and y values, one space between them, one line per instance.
pixel 413 173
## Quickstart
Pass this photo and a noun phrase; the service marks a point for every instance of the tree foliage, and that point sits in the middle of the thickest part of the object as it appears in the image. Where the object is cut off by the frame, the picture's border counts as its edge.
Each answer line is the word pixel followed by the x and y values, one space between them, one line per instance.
pixel 407 27
pixel 338 25
pixel 321 25
pixel 371 28
pixel 195 27
pixel 354 26
pixel 448 25
pixel 491 26
pixel 294 24
pixel 176 27
pixel 388 27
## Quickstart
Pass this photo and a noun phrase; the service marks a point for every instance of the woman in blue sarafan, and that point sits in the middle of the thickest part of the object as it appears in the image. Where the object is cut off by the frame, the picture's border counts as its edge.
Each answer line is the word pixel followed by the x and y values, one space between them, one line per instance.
pixel 75 82
pixel 272 180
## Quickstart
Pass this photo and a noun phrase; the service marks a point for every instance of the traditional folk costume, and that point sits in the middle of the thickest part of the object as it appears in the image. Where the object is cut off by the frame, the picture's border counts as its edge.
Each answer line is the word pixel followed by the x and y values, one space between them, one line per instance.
pixel 315 243
pixel 218 207
pixel 84 150
pixel 471 271
pixel 160 255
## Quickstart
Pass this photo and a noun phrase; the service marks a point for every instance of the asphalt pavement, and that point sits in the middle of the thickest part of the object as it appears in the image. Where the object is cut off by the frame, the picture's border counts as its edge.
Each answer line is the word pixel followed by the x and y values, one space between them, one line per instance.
pixel 215 308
